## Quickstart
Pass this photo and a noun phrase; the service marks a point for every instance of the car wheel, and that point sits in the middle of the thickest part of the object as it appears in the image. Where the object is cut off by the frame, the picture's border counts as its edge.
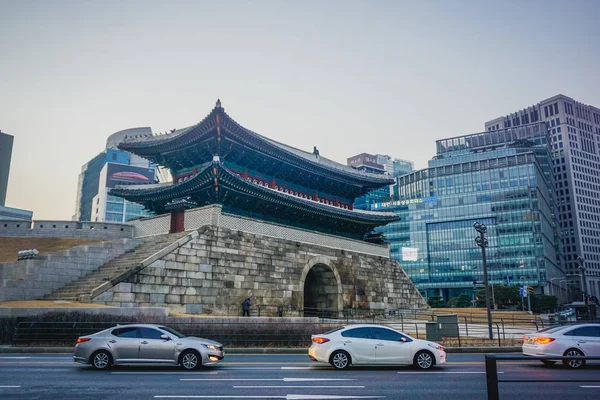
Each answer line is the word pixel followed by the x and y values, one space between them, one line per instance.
pixel 101 359
pixel 340 359
pixel 574 364
pixel 548 363
pixel 190 359
pixel 424 360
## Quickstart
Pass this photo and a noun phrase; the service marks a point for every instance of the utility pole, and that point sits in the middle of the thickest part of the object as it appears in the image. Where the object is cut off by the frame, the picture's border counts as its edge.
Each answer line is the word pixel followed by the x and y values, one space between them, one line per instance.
pixel 483 243
pixel 581 262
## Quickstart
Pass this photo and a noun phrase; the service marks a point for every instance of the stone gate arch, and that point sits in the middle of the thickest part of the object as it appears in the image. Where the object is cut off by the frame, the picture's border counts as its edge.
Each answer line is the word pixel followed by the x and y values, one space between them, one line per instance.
pixel 320 288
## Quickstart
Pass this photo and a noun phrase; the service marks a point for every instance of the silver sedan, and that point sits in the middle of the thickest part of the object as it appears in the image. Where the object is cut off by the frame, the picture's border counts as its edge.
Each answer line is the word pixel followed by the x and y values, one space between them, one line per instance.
pixel 146 344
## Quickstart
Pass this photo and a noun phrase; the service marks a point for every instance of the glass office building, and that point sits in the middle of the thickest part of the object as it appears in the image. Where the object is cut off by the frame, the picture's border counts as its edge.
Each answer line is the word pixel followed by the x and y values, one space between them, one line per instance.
pixel 501 179
pixel 108 208
pixel 379 164
pixel 91 187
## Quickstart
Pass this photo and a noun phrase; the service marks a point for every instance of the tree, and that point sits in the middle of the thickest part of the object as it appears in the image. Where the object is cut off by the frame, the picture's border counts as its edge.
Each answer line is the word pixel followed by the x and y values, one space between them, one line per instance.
pixel 461 301
pixel 541 303
pixel 503 294
pixel 435 302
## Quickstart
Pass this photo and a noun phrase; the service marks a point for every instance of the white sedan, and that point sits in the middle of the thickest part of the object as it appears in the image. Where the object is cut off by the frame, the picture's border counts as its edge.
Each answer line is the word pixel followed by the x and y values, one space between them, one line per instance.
pixel 374 345
pixel 568 340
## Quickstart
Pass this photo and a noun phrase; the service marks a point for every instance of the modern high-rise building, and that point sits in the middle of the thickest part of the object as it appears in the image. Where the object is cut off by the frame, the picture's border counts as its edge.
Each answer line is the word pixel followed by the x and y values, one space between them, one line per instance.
pixel 94 180
pixel 107 208
pixel 575 139
pixel 501 179
pixel 6 145
pixel 379 164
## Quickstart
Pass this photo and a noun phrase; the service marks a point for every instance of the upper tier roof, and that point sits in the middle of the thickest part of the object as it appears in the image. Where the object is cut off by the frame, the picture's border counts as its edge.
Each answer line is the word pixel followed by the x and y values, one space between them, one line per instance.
pixel 153 146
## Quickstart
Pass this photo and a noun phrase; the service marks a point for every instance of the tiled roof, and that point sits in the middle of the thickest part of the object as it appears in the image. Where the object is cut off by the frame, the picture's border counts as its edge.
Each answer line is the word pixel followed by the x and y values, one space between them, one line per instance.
pixel 162 189
pixel 131 144
pixel 145 187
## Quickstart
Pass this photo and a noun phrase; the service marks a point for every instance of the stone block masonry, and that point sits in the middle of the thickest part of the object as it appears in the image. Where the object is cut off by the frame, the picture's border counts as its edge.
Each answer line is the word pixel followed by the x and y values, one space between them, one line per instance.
pixel 35 278
pixel 66 229
pixel 215 271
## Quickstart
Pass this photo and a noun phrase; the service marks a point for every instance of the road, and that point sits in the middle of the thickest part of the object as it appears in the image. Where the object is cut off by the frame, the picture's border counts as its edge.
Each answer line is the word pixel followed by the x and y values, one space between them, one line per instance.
pixel 289 377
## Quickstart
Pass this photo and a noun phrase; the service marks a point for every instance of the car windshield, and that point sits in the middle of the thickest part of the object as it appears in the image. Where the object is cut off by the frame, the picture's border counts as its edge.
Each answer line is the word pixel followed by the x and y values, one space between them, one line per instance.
pixel 333 330
pixel 172 331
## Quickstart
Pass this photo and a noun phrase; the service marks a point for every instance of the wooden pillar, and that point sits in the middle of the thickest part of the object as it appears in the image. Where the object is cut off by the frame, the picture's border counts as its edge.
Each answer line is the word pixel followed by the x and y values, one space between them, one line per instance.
pixel 177 221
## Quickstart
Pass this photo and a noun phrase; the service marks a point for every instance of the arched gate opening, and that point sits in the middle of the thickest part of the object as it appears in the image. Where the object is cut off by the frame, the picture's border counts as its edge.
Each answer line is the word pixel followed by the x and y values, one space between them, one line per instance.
pixel 321 292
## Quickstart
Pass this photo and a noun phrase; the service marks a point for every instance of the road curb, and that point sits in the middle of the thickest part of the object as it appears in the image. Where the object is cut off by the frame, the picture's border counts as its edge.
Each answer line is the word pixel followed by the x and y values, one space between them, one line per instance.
pixel 255 350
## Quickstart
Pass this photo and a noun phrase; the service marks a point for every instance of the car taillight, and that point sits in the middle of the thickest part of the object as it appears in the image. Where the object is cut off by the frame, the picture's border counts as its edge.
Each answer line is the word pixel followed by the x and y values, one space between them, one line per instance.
pixel 543 340
pixel 320 340
pixel 83 339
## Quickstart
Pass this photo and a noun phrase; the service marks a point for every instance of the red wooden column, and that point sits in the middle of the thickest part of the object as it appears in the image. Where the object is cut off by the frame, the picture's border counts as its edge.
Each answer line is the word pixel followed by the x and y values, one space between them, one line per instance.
pixel 177 221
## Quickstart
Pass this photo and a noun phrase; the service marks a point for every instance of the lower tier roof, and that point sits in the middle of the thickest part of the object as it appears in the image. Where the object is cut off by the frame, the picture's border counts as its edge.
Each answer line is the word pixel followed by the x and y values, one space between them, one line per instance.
pixel 216 184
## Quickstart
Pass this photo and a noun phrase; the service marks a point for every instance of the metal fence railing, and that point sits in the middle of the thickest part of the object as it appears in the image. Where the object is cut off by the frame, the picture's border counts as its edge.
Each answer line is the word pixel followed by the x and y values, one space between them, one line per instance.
pixel 285 329
pixel 229 333
pixel 254 332
pixel 491 372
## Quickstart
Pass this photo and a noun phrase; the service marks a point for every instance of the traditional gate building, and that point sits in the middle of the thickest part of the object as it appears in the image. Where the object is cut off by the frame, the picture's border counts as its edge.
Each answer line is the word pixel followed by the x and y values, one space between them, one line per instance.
pixel 252 217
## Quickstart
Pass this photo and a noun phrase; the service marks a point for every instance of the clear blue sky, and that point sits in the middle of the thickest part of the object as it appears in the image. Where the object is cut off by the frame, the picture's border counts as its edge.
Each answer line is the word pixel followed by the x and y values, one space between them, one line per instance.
pixel 386 77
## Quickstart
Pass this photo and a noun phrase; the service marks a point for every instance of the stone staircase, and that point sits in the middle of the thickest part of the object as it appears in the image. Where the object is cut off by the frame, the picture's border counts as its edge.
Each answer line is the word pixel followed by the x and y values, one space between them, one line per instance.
pixel 82 287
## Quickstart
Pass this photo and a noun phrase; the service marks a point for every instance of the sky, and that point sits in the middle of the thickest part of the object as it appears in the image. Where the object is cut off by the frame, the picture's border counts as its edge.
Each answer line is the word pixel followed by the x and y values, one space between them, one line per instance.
pixel 381 77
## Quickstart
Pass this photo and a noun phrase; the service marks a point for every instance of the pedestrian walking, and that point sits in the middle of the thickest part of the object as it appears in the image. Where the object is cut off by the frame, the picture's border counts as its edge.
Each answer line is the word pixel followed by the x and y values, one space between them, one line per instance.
pixel 246 307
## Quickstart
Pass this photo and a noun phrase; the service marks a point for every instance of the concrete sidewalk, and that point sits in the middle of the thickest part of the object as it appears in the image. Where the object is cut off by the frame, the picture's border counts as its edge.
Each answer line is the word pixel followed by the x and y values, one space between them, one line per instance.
pixel 258 350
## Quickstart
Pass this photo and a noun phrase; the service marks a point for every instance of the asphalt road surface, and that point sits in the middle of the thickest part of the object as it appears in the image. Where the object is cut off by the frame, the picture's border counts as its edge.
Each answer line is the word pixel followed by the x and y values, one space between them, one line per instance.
pixel 288 377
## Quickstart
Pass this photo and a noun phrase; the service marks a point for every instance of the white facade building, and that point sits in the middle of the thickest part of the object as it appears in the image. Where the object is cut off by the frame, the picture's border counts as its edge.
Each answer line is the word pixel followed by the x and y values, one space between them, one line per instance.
pixel 107 208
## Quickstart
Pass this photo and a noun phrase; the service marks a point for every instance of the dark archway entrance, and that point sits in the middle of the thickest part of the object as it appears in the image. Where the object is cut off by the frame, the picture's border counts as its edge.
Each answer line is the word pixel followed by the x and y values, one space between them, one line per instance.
pixel 320 292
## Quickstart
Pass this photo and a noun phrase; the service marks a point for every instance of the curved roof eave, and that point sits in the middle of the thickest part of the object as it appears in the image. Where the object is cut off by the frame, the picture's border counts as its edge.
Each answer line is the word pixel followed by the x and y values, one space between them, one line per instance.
pixel 167 191
pixel 133 144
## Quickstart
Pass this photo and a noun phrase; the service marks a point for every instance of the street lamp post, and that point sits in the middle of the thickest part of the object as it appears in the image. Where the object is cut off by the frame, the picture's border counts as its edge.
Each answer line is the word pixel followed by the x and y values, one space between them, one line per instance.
pixel 483 243
pixel 566 298
pixel 556 277
pixel 581 262
pixel 523 280
pixel 491 285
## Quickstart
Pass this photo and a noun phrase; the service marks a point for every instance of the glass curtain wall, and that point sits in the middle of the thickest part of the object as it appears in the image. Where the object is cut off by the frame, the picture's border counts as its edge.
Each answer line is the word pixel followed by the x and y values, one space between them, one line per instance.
pixel 501 179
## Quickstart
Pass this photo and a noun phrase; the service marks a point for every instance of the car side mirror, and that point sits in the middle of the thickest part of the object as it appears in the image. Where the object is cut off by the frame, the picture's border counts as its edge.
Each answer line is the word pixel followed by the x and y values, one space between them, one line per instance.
pixel 403 340
pixel 165 337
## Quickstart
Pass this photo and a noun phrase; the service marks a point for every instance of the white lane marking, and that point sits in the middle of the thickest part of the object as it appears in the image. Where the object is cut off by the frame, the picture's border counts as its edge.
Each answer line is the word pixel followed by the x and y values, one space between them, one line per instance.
pixel 9 386
pixel 270 379
pixel 299 387
pixel 286 397
pixel 254 368
pixel 319 396
pixel 442 372
pixel 299 367
pixel 165 373
pixel 218 397
pixel 15 358
pixel 584 386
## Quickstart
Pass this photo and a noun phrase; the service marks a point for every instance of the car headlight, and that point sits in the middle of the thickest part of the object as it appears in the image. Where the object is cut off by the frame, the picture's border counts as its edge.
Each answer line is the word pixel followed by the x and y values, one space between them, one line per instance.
pixel 210 347
pixel 436 346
